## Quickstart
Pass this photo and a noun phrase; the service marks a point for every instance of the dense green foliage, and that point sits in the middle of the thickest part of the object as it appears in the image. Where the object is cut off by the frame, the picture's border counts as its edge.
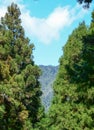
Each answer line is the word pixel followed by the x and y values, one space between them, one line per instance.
pixel 72 107
pixel 20 105
pixel 46 79
pixel 73 104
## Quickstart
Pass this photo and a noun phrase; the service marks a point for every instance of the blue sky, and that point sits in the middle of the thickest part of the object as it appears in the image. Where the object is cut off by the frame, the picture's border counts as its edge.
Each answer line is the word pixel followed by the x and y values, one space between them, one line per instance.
pixel 48 23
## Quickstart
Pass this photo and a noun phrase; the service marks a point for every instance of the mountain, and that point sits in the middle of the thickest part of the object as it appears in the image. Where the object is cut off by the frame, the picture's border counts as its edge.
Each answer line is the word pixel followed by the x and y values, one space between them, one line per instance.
pixel 46 79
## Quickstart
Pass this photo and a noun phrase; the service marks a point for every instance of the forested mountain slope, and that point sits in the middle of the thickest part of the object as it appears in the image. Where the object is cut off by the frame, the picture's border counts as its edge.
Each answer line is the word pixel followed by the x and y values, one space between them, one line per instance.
pixel 48 75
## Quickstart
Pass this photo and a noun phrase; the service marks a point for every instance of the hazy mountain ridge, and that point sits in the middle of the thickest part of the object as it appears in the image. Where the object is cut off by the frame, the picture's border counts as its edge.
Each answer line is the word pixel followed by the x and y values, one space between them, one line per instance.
pixel 46 79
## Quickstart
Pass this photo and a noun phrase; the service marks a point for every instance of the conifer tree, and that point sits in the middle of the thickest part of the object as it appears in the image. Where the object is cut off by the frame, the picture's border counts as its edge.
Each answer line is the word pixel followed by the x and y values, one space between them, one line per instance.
pixel 64 113
pixel 20 105
pixel 73 104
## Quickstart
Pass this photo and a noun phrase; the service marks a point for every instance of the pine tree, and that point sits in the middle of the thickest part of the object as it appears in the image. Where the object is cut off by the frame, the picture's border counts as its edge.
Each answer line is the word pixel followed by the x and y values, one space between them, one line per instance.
pixel 20 105
pixel 64 113
pixel 73 104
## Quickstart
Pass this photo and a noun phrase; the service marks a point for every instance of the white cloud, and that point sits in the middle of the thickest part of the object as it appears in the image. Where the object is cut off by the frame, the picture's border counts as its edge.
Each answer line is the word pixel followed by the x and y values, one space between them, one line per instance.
pixel 58 18
pixel 46 29
pixel 5 3
pixel 2 11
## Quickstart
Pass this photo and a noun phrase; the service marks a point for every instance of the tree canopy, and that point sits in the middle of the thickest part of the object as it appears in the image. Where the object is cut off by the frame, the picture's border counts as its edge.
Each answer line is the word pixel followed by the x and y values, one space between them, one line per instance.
pixel 20 105
pixel 72 107
pixel 73 103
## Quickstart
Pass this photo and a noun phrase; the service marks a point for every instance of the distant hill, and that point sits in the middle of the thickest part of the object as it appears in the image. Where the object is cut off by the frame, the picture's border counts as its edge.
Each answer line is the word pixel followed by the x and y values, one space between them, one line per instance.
pixel 46 79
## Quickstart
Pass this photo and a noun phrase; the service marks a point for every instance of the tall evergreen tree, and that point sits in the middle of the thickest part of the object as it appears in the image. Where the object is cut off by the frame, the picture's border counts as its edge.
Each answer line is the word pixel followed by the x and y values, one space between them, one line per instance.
pixel 65 111
pixel 73 104
pixel 20 105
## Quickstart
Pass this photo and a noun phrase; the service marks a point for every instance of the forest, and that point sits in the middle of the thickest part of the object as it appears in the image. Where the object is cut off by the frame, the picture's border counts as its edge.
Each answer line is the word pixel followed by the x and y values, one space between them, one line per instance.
pixel 21 108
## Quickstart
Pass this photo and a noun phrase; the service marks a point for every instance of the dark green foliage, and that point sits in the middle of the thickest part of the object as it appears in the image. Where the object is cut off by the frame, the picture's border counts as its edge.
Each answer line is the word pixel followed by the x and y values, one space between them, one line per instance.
pixel 46 79
pixel 73 104
pixel 20 106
